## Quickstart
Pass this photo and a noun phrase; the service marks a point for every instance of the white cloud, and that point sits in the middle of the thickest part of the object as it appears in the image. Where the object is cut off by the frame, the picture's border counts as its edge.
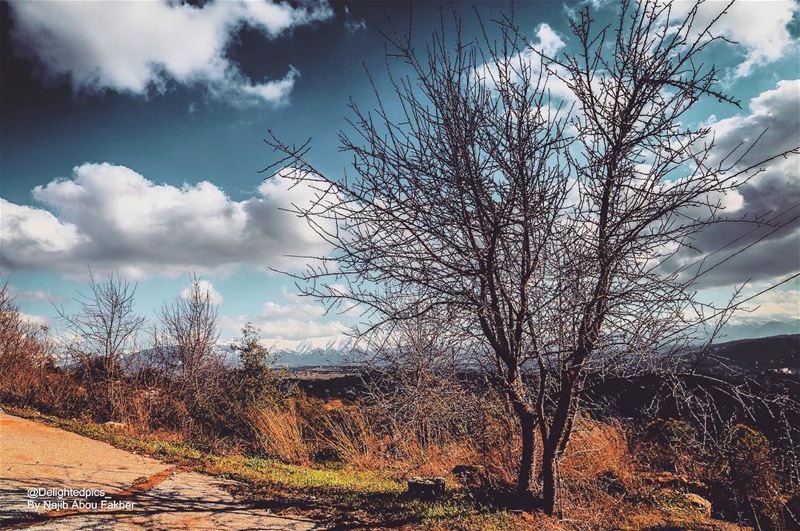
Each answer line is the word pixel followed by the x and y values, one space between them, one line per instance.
pixel 299 328
pixel 761 28
pixel 352 24
pixel 206 289
pixel 290 318
pixel 777 304
pixel 276 91
pixel 273 310
pixel 137 47
pixel 111 218
pixel 35 230
pixel 34 320
pixel 37 295
pixel 547 42
pixel 773 111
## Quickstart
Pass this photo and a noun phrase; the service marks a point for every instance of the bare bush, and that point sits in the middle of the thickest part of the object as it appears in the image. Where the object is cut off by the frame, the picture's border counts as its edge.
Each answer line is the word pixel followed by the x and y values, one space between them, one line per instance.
pixel 416 383
pixel 100 340
pixel 185 358
pixel 26 354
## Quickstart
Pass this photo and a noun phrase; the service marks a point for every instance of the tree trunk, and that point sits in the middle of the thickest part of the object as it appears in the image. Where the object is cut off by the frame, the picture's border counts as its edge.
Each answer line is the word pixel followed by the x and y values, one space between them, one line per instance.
pixel 549 479
pixel 526 421
pixel 557 438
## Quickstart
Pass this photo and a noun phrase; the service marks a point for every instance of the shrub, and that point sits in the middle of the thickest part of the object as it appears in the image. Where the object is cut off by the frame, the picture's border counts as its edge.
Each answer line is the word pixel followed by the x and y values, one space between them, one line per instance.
pixel 752 477
pixel 674 445
pixel 256 382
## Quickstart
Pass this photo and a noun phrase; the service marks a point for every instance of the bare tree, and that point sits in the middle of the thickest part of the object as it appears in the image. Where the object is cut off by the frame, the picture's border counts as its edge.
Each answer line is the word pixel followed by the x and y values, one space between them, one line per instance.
pixel 102 335
pixel 185 346
pixel 544 230
pixel 415 380
pixel 25 352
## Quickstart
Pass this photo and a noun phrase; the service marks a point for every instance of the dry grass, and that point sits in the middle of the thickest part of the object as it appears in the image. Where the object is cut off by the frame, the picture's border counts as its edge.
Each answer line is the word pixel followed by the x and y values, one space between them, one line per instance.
pixel 349 434
pixel 598 448
pixel 279 433
pixel 497 445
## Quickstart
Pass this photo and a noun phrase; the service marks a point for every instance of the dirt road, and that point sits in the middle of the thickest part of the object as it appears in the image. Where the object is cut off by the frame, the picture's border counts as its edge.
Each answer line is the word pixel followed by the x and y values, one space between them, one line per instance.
pixel 136 492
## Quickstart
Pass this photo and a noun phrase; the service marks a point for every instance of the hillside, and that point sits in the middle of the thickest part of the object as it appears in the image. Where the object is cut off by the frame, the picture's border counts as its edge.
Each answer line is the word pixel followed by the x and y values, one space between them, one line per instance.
pixel 756 355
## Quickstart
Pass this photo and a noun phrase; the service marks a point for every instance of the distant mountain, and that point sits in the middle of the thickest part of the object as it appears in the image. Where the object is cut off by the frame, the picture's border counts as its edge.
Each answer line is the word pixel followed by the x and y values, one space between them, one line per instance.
pixel 758 330
pixel 316 351
pixel 771 345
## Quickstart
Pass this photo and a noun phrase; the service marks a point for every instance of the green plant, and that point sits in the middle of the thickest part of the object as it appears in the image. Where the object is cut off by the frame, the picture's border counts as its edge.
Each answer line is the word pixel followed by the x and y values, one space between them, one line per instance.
pixel 258 384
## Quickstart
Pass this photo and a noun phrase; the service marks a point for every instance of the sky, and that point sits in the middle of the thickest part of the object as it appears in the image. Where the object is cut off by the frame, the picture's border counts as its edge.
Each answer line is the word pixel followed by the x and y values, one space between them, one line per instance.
pixel 131 139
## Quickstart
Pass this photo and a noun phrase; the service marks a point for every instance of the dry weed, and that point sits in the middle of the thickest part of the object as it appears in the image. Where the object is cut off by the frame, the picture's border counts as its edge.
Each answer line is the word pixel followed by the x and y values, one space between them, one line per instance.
pixel 280 433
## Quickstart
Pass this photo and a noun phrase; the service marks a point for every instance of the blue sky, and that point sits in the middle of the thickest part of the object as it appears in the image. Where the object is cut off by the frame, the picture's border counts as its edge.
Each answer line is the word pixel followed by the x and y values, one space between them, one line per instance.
pixel 131 140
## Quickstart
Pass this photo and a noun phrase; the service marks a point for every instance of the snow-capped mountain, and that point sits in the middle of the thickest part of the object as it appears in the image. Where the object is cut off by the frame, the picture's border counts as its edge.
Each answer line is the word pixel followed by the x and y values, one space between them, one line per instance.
pixel 324 350
pixel 330 344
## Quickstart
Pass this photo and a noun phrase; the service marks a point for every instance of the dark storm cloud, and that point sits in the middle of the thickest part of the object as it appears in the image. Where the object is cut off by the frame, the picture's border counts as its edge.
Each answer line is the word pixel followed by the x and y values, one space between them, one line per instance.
pixel 772 196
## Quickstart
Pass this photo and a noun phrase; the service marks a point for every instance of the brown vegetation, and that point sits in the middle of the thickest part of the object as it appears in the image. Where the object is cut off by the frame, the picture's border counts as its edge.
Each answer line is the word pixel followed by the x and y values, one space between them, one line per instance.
pixel 611 473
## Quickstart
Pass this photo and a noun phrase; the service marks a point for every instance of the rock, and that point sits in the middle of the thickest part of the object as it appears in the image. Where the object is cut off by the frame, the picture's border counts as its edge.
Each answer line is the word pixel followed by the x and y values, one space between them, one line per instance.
pixel 699 503
pixel 426 488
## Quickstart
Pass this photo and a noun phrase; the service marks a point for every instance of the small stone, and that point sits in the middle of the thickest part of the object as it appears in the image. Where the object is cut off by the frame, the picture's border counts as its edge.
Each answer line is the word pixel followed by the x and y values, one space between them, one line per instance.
pixel 426 488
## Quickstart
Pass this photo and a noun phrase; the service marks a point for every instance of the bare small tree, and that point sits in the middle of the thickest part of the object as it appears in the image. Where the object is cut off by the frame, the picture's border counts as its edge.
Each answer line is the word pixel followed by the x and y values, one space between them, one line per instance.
pixel 185 347
pixel 101 336
pixel 25 352
pixel 415 380
pixel 544 229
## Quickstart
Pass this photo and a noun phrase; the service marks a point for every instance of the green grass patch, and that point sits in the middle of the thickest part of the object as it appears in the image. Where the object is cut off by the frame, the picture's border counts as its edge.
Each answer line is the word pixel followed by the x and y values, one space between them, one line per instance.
pixel 347 479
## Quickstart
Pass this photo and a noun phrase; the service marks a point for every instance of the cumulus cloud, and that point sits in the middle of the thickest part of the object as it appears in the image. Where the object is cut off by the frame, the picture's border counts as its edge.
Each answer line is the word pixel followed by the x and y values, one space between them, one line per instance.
pixel 206 289
pixel 547 40
pixel 773 195
pixel 137 47
pixel 110 217
pixel 761 29
pixel 291 318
